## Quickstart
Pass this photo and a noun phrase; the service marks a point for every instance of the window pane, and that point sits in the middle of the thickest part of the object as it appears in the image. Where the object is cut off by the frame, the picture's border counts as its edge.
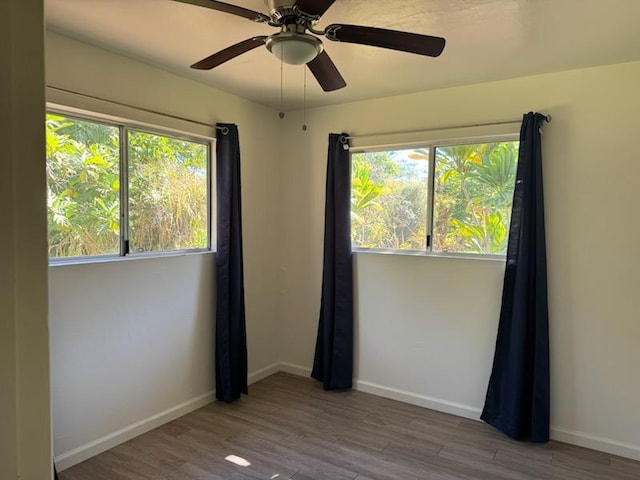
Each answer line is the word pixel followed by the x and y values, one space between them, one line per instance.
pixel 167 193
pixel 83 187
pixel 389 199
pixel 473 195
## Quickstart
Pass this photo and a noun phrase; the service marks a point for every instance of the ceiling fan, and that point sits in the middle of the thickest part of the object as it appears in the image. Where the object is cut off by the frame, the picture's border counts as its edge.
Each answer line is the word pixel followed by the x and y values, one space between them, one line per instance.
pixel 294 45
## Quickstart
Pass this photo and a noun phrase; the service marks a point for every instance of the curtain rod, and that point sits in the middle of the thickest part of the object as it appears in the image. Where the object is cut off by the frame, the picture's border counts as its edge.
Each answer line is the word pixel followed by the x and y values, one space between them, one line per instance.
pixel 224 130
pixel 344 140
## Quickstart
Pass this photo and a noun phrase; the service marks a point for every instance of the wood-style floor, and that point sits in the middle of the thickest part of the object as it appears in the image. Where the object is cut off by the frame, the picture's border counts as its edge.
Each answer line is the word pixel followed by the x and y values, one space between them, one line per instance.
pixel 289 428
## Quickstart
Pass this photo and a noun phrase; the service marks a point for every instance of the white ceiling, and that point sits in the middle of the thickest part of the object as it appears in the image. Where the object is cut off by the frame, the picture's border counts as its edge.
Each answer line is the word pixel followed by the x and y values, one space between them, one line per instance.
pixel 486 40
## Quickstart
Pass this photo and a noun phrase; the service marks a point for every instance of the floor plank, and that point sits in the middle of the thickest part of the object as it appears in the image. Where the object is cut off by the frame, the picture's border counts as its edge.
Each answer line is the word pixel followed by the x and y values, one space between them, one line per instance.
pixel 289 428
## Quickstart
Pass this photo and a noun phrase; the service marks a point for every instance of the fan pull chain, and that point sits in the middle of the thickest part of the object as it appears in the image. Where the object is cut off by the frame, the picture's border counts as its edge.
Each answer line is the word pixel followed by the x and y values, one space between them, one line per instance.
pixel 304 101
pixel 281 114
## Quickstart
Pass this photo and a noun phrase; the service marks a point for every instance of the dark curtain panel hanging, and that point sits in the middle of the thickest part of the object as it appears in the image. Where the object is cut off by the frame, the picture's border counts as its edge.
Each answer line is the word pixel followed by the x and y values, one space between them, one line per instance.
pixel 333 362
pixel 231 337
pixel 517 401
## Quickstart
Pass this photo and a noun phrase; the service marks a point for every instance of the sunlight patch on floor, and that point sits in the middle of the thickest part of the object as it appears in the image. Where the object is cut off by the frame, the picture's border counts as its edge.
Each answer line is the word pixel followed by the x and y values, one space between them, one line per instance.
pixel 237 460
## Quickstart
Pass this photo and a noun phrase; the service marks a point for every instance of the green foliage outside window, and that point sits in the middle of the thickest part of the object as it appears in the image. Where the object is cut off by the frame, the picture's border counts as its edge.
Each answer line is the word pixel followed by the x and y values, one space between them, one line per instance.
pixel 83 187
pixel 167 193
pixel 167 182
pixel 473 190
pixel 389 201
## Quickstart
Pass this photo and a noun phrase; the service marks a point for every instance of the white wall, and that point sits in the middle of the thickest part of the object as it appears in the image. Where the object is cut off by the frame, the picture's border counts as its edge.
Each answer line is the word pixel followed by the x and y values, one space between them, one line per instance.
pixel 25 434
pixel 132 340
pixel 427 326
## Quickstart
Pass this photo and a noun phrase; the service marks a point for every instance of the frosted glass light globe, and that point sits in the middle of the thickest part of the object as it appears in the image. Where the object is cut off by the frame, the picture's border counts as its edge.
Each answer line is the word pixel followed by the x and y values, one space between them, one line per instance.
pixel 294 48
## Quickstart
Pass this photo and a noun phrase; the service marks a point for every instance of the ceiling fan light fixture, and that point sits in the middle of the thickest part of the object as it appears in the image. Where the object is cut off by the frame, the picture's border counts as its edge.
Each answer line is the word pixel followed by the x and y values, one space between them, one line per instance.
pixel 294 48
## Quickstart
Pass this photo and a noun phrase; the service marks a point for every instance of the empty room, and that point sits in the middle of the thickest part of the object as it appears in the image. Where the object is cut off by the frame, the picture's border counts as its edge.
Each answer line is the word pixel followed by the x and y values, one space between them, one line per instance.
pixel 319 239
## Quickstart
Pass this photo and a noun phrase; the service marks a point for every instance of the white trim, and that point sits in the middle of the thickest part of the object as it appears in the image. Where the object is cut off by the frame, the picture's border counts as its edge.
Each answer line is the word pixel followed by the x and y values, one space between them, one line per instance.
pixel 91 449
pixel 88 260
pixel 84 452
pixel 603 444
pixel 294 369
pixel 425 401
pixel 263 373
pixel 440 405
pixel 428 253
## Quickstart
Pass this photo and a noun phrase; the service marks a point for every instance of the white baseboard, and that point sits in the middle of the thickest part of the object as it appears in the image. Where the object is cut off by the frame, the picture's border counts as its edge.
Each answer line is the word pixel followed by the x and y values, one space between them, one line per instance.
pixel 603 444
pixel 580 439
pixel 263 373
pixel 295 369
pixel 425 401
pixel 84 452
pixel 91 449
pixel 396 394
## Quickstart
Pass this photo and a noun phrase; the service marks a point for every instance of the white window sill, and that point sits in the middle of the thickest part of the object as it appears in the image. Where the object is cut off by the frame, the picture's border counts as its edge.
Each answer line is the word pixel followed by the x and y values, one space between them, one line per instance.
pixel 61 262
pixel 421 253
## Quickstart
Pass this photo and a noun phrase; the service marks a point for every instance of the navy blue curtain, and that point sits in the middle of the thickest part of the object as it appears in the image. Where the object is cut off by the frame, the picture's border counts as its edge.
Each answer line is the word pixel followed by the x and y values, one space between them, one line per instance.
pixel 517 401
pixel 333 362
pixel 231 336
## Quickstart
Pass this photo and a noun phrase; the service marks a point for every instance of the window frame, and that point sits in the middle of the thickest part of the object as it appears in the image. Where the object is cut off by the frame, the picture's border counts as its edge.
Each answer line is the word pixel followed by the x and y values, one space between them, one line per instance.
pixel 124 126
pixel 433 146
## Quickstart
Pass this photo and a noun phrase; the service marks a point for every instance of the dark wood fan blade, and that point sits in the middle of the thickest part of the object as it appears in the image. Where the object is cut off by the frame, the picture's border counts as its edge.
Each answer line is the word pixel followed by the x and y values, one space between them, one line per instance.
pixel 227 54
pixel 392 39
pixel 228 8
pixel 326 73
pixel 314 7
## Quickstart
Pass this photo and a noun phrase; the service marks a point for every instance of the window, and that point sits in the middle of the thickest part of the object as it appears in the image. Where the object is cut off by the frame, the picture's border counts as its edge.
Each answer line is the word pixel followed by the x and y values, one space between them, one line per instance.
pixel 442 198
pixel 167 193
pixel 115 191
pixel 389 199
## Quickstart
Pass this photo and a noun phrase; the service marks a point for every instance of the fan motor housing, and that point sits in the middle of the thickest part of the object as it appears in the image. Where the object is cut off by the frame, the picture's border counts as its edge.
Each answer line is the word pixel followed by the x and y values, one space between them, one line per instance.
pixel 278 4
pixel 285 12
